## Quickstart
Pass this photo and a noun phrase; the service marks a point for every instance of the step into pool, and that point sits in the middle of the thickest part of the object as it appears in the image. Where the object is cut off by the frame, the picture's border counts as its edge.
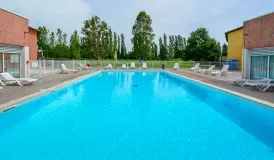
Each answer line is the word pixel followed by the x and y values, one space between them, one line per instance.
pixel 137 115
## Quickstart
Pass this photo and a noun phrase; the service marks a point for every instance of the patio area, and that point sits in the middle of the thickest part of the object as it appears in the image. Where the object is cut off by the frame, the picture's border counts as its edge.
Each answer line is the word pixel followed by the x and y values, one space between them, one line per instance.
pixel 225 82
pixel 9 93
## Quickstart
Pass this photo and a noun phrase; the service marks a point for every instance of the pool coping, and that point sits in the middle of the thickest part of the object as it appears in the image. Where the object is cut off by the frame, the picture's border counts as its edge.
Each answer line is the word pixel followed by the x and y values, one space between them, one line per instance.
pixel 14 103
pixel 266 103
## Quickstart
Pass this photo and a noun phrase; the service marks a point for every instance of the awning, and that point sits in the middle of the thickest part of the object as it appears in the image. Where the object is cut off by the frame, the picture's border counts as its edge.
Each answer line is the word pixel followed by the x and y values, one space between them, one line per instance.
pixel 4 48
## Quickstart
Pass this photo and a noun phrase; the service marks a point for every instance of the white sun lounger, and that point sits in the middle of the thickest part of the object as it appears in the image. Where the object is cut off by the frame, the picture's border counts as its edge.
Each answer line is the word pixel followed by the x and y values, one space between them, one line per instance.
pixel 124 66
pixel 206 71
pixel 109 66
pixel 144 65
pixel 84 67
pixel 176 66
pixel 195 68
pixel 6 77
pixel 67 70
pixel 262 86
pixel 223 72
pixel 132 65
pixel 241 82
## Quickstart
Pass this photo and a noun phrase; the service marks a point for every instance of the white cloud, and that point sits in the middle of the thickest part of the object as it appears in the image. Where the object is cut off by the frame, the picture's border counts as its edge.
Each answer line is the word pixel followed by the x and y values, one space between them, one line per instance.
pixel 65 14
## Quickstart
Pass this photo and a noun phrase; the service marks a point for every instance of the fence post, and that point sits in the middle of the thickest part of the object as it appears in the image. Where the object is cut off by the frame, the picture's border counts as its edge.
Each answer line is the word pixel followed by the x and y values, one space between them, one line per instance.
pixel 52 65
pixel 44 67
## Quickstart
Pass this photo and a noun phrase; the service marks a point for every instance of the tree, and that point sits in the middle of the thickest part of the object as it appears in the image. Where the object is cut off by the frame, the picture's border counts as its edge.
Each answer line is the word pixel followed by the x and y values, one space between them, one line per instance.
pixel 163 53
pixel 110 43
pixel 224 50
pixel 123 47
pixel 165 48
pixel 115 42
pixel 171 46
pixel 52 45
pixel 43 40
pixel 200 46
pixel 142 35
pixel 92 32
pixel 154 54
pixel 75 46
pixel 119 48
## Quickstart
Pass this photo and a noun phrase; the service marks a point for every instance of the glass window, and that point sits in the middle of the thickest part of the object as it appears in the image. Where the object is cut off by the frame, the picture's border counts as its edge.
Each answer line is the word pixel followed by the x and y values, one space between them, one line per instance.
pixel 259 67
pixel 271 67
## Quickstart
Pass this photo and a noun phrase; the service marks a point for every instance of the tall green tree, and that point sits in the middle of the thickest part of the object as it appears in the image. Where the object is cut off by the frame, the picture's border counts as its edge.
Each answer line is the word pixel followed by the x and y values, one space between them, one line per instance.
pixel 200 46
pixel 75 49
pixel 43 40
pixel 165 45
pixel 52 44
pixel 110 43
pixel 115 44
pixel 171 46
pixel 224 50
pixel 119 48
pixel 163 53
pixel 154 53
pixel 123 47
pixel 92 34
pixel 142 35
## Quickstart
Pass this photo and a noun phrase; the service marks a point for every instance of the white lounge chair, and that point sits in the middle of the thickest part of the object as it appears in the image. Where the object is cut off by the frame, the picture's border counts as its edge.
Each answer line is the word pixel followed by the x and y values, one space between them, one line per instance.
pixel 176 66
pixel 241 82
pixel 67 70
pixel 195 68
pixel 124 66
pixel 84 67
pixel 206 71
pixel 144 65
pixel 262 86
pixel 6 77
pixel 223 72
pixel 132 65
pixel 109 66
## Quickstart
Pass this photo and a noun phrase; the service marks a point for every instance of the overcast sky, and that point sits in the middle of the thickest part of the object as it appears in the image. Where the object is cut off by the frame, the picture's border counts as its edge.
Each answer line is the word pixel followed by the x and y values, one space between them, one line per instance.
pixel 168 16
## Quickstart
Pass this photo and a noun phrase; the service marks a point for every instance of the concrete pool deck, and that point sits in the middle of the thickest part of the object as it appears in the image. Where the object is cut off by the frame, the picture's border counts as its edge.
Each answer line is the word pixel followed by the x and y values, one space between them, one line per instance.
pixel 224 83
pixel 11 95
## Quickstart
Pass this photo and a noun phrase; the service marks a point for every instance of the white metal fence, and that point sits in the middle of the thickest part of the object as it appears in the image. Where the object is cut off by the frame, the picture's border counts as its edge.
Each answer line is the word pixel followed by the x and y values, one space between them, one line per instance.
pixel 39 68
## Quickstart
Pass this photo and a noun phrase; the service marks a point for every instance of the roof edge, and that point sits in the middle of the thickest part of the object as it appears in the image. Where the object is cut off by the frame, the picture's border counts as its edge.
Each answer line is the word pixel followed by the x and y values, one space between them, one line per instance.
pixel 226 33
pixel 13 13
pixel 33 28
pixel 259 16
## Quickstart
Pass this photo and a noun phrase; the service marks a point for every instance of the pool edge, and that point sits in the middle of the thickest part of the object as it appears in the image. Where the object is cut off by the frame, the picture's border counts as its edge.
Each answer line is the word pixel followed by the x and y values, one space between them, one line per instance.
pixel 266 103
pixel 13 104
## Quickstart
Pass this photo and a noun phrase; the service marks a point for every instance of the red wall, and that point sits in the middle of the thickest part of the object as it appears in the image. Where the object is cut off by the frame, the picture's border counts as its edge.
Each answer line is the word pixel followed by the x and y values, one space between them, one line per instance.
pixel 259 32
pixel 15 31
pixel 32 43
pixel 13 28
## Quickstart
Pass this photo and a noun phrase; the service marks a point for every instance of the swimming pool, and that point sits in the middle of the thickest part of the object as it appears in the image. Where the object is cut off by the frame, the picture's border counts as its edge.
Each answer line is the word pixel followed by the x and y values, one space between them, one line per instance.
pixel 137 115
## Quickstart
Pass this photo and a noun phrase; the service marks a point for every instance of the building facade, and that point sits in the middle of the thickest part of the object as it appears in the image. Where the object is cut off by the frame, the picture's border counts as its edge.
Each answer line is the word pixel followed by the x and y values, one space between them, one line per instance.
pixel 258 50
pixel 18 43
pixel 235 44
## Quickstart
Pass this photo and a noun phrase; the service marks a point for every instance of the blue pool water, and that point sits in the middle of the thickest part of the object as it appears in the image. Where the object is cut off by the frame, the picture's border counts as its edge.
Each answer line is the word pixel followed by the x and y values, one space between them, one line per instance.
pixel 137 115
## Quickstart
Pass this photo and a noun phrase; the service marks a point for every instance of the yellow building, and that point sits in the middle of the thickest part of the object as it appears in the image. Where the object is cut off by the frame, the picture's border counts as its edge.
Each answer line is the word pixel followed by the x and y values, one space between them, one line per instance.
pixel 235 42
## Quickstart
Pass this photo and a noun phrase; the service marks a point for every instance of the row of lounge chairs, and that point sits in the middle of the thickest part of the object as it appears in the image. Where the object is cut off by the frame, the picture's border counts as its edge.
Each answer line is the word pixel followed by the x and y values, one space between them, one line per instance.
pixel 7 79
pixel 262 85
pixel 132 66
pixel 210 70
